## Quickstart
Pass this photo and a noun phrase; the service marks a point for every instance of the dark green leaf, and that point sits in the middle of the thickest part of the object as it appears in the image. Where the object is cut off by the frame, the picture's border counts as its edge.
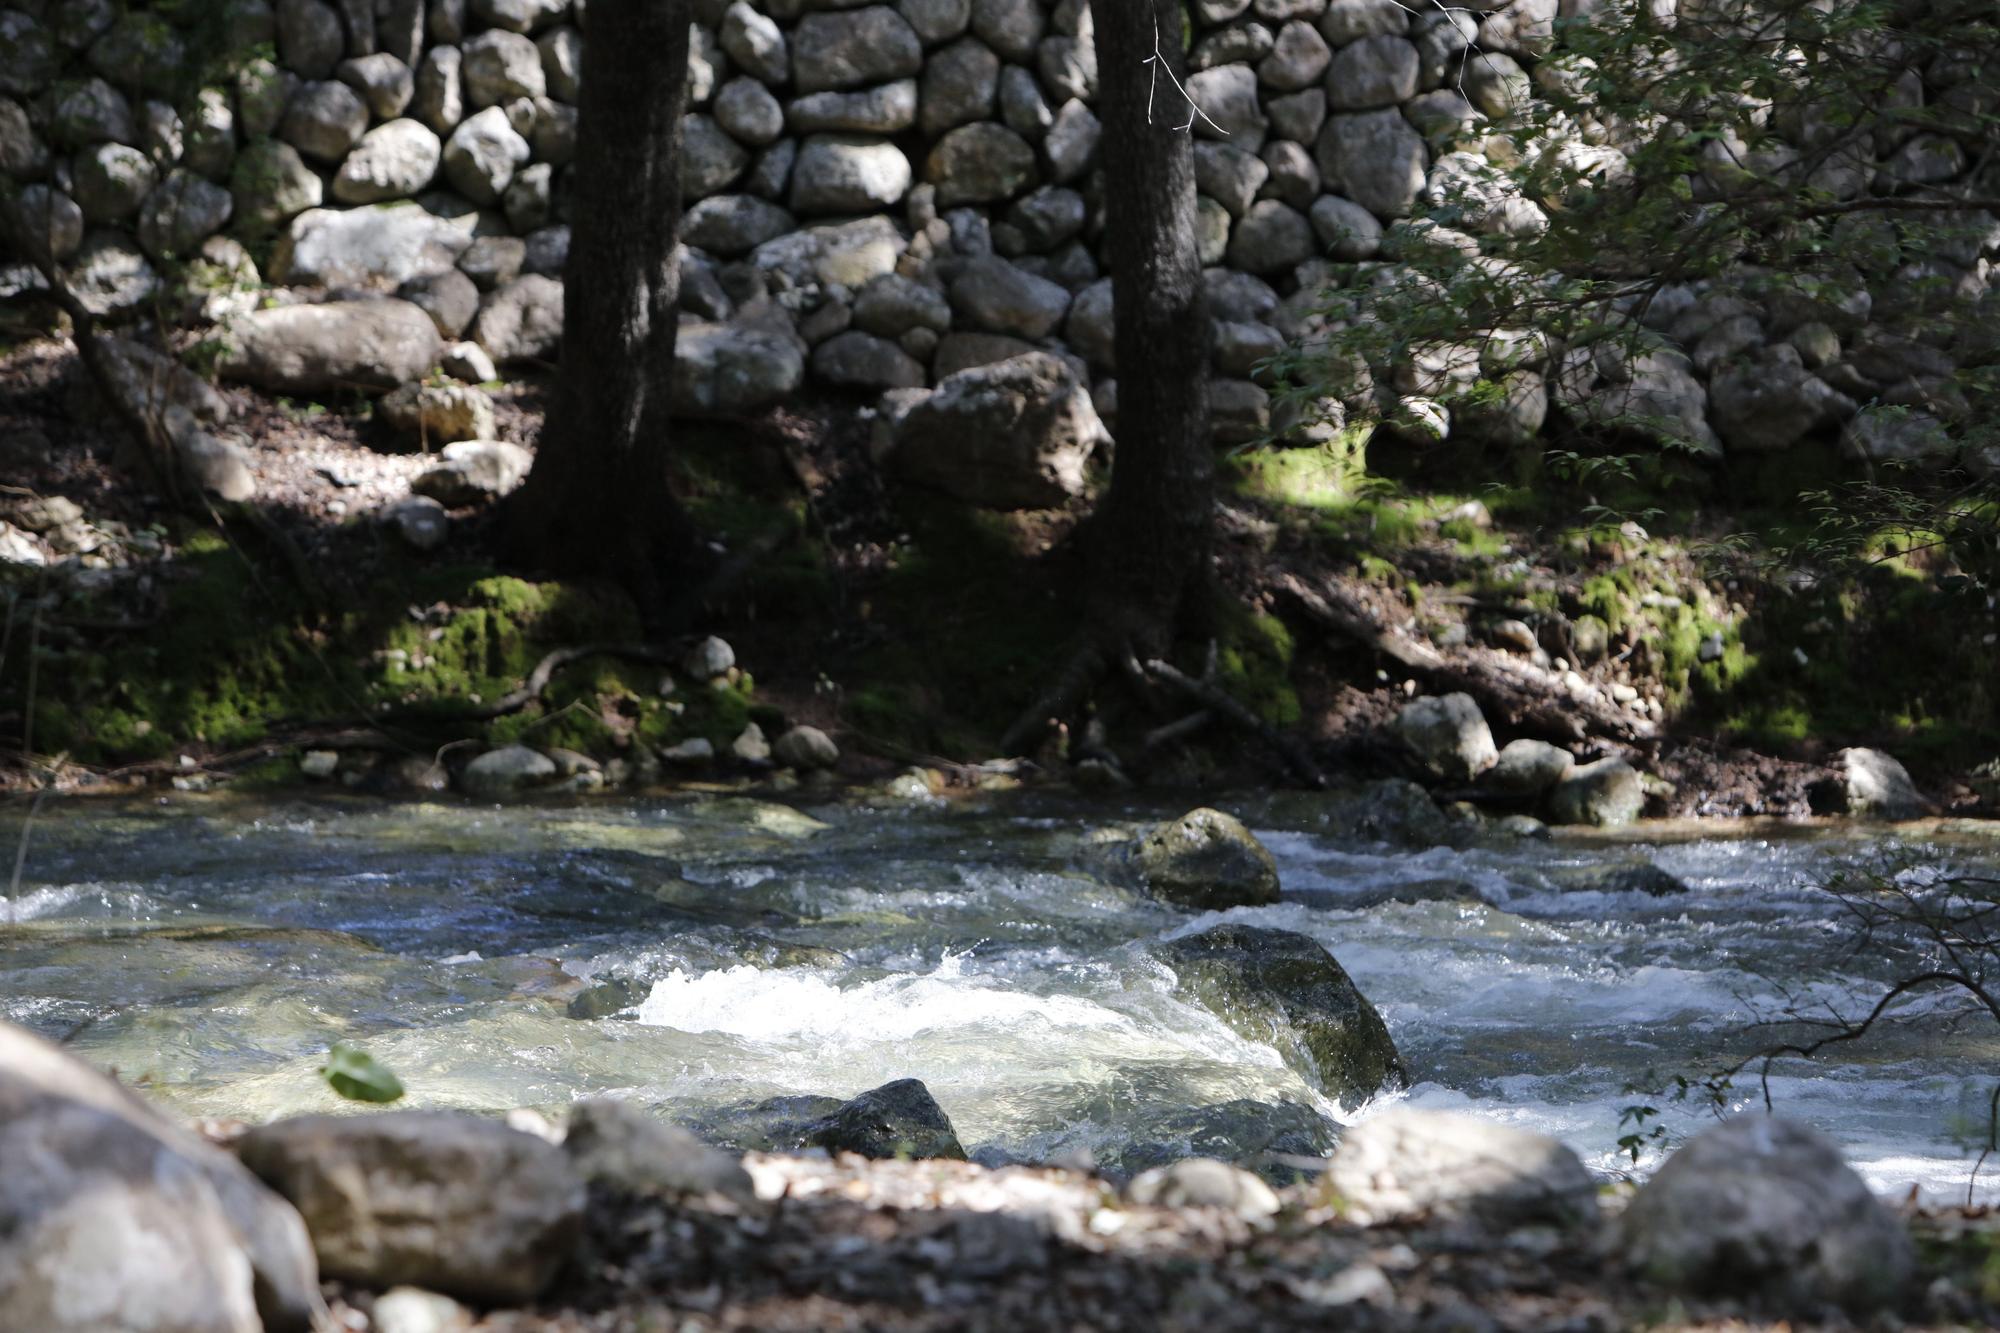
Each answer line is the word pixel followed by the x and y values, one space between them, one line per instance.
pixel 359 1076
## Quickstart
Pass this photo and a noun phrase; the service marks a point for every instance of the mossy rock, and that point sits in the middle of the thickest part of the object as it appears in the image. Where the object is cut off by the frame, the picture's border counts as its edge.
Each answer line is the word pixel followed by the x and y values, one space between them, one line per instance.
pixel 1280 987
pixel 1206 860
pixel 896 1120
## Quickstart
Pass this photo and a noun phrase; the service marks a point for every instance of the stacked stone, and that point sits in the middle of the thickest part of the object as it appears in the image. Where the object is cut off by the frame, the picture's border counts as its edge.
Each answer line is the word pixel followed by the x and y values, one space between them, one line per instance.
pixel 881 195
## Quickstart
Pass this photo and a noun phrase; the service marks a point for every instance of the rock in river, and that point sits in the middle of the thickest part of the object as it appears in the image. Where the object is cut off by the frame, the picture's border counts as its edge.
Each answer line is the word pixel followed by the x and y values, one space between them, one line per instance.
pixel 1280 987
pixel 1206 860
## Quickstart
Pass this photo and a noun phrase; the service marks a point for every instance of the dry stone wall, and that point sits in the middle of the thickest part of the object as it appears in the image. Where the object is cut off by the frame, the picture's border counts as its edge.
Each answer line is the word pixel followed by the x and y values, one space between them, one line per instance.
pixel 879 194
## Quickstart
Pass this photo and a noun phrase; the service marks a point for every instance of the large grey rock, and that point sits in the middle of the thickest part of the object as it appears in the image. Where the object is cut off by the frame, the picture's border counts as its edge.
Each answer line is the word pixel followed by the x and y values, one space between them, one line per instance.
pixel 474 472
pixel 1011 27
pixel 1014 435
pixel 1297 58
pixel 383 82
pixel 981 163
pixel 887 108
pixel 323 120
pixel 262 92
pixel 1048 217
pixel 1284 989
pixel 805 748
pixel 1607 794
pixel 1889 434
pixel 960 85
pixel 936 21
pixel 1345 228
pixel 439 101
pixel 1766 1208
pixel 1229 175
pixel 846 254
pixel 1206 860
pixel 852 48
pixel 1526 767
pixel 310 39
pixel 269 184
pixel 1653 395
pixel 856 360
pixel 838 173
pixel 521 16
pixel 1376 71
pixel 49 220
pixel 1071 142
pixel 112 1217
pixel 755 43
pixel 733 370
pixel 1230 106
pixel 441 414
pixel 111 276
pixel 521 320
pixel 1204 1182
pixel 382 245
pixel 22 154
pixel 1406 1164
pixel 710 160
pixel 734 224
pixel 749 113
pixel 1271 238
pixel 483 154
pixel 562 62
pixel 1448 734
pixel 181 212
pixel 1000 297
pixel 87 112
pixel 1879 787
pixel 499 66
pixel 392 161
pixel 892 305
pixel 1374 158
pixel 111 180
pixel 434 1199
pixel 31 55
pixel 342 345
pixel 617 1145
pixel 209 135
pixel 452 302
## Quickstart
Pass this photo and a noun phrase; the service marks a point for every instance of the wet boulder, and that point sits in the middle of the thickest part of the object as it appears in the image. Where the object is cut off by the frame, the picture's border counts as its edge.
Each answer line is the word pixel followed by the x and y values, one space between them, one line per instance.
pixel 510 768
pixel 899 1119
pixel 1449 735
pixel 1607 794
pixel 1206 860
pixel 1406 1163
pixel 111 1217
pixel 1250 1133
pixel 1283 988
pixel 434 1199
pixel 1527 768
pixel 1765 1208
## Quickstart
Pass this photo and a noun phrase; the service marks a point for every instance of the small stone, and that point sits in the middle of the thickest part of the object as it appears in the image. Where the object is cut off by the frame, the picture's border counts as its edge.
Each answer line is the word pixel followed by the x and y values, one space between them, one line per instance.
pixel 1449 734
pixel 511 768
pixel 750 747
pixel 1203 1182
pixel 806 748
pixel 419 521
pixel 708 659
pixel 319 764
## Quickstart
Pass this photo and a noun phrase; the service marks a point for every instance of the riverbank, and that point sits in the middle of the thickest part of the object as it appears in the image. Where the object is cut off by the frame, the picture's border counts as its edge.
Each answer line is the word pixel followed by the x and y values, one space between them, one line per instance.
pixel 911 630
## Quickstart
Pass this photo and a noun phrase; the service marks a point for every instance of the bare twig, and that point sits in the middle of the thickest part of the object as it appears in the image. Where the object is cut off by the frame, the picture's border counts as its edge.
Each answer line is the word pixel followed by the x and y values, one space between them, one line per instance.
pixel 1158 61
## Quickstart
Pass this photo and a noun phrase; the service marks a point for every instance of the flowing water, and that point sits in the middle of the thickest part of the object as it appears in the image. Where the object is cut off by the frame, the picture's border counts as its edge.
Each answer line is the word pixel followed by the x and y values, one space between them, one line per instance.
pixel 211 948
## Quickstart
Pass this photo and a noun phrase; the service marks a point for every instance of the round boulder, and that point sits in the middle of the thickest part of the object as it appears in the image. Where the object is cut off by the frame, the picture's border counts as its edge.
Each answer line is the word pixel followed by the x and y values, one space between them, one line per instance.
pixel 1208 861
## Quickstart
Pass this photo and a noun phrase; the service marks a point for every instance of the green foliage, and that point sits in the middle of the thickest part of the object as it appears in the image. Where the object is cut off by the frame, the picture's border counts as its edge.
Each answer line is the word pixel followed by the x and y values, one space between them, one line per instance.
pixel 359 1076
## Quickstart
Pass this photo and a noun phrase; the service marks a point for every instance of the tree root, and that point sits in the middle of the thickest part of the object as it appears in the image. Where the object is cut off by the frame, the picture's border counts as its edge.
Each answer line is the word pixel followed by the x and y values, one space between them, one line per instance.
pixel 1522 696
pixel 1086 666
pixel 531 689
pixel 1214 699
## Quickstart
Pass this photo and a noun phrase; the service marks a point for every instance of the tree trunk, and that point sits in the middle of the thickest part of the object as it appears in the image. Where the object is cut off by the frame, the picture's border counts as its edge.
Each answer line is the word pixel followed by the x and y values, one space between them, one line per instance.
pixel 598 501
pixel 1151 538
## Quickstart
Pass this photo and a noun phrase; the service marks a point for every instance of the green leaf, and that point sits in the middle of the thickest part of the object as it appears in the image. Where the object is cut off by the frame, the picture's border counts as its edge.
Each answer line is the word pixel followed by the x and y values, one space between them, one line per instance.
pixel 359 1076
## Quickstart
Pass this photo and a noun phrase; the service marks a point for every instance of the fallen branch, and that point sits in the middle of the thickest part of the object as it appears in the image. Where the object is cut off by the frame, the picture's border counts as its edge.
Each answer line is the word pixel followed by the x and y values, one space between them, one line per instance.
pixel 1218 701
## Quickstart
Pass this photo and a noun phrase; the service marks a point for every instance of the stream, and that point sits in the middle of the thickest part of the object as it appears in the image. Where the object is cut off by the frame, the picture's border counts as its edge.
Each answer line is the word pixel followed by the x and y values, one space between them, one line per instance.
pixel 210 948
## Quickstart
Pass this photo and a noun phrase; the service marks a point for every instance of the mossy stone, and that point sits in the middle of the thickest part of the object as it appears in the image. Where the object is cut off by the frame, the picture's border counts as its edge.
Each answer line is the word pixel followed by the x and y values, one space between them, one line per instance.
pixel 1280 987
pixel 1206 860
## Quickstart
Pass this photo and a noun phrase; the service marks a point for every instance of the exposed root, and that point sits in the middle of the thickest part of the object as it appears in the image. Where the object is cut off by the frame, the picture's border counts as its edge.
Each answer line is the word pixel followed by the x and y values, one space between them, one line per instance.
pixel 1215 700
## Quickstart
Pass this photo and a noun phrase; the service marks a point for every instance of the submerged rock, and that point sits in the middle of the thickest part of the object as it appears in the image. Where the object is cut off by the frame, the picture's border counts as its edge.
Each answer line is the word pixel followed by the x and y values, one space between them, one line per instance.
pixel 432 1199
pixel 1206 860
pixel 899 1119
pixel 1254 1135
pixel 1407 1163
pixel 1283 988
pixel 1766 1208
pixel 111 1217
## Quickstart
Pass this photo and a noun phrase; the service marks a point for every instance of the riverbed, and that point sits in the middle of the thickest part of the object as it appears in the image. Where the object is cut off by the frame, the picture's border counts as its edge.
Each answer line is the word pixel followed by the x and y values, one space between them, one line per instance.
pixel 210 948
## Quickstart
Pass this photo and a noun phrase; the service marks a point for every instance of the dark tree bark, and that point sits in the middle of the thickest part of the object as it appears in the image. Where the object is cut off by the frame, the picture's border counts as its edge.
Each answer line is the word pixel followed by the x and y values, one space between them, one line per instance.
pixel 598 500
pixel 1151 535
pixel 1149 542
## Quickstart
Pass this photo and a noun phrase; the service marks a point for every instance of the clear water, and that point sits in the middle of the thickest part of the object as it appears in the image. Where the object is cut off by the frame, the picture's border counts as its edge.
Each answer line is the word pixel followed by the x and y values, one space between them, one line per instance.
pixel 210 949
